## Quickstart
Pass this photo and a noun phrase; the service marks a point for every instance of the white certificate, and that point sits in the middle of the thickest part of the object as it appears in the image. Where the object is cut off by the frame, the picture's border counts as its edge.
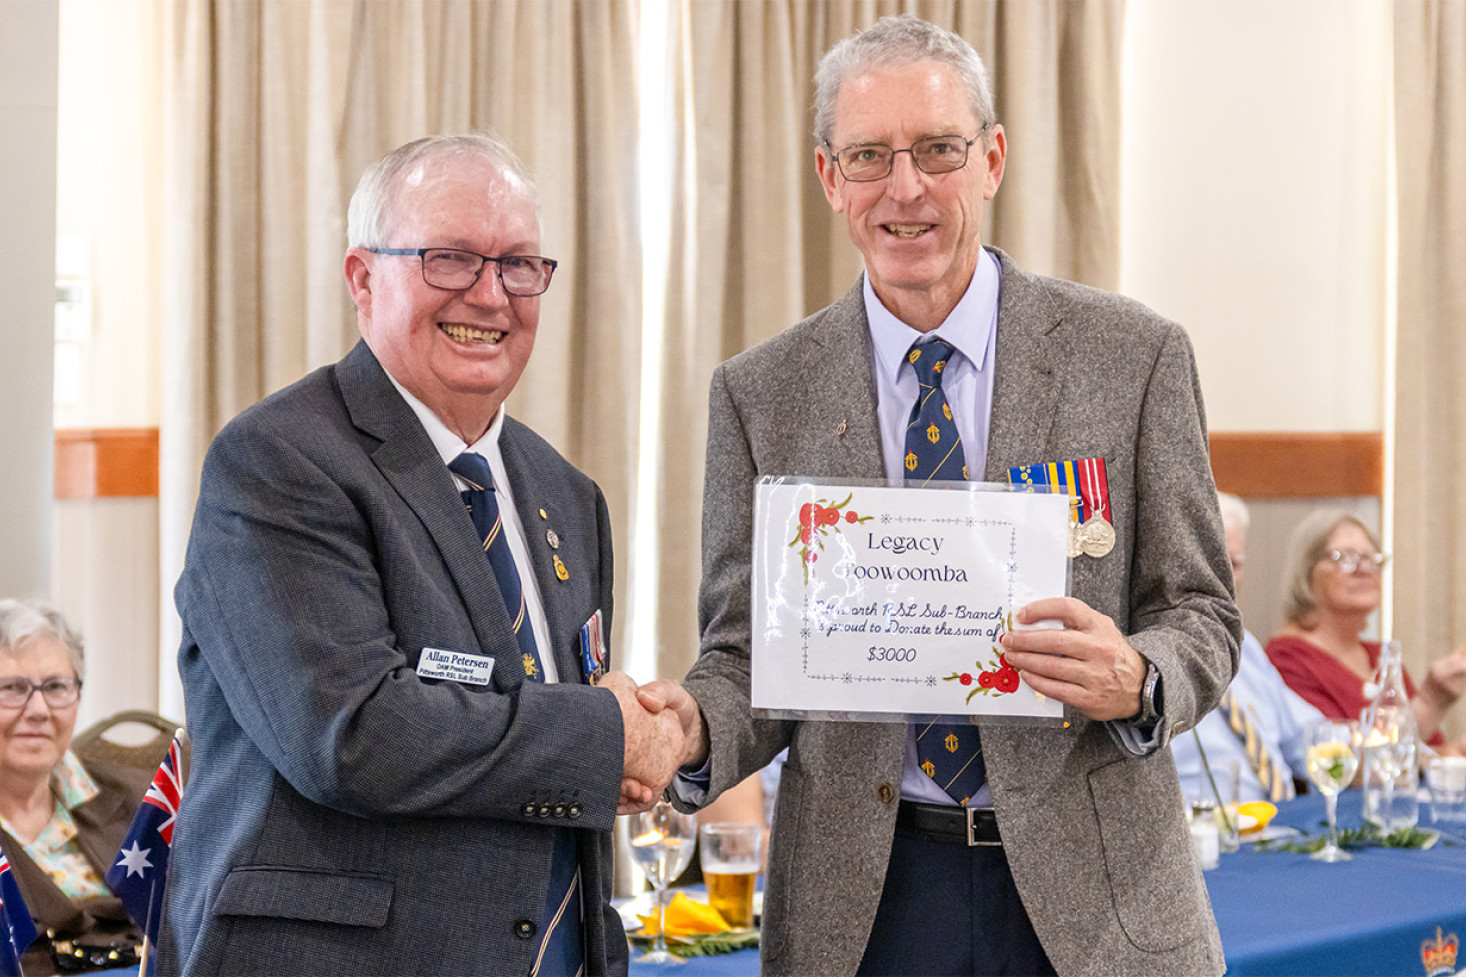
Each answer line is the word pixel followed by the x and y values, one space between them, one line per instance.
pixel 882 602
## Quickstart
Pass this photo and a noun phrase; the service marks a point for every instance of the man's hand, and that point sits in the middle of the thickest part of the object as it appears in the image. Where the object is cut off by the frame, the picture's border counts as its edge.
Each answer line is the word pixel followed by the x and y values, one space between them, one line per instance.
pixel 666 694
pixel 654 746
pixel 1088 665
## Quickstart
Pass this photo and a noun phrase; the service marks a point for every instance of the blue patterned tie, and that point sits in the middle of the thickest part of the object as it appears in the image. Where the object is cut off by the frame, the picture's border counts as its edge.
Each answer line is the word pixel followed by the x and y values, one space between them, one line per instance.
pixel 484 508
pixel 560 950
pixel 949 753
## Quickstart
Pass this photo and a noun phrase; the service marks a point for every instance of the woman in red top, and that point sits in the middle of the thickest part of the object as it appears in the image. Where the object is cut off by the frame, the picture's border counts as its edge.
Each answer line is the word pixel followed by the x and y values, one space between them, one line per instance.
pixel 1333 587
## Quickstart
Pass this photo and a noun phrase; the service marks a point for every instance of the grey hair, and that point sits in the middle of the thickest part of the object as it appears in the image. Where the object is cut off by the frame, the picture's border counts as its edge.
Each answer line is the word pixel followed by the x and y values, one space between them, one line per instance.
pixel 894 42
pixel 1234 511
pixel 1306 547
pixel 22 621
pixel 370 215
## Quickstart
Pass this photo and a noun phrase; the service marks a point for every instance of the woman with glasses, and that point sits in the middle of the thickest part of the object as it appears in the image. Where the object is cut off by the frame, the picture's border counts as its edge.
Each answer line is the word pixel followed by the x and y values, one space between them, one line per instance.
pixel 1333 586
pixel 61 822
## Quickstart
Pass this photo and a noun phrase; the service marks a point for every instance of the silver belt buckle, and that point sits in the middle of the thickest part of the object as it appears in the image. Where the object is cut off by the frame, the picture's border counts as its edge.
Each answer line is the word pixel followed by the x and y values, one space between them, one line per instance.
pixel 972 840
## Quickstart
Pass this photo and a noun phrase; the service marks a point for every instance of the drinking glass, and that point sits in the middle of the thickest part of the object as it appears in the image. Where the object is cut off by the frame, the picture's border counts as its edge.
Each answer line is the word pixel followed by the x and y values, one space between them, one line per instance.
pixel 1333 757
pixel 662 840
pixel 730 863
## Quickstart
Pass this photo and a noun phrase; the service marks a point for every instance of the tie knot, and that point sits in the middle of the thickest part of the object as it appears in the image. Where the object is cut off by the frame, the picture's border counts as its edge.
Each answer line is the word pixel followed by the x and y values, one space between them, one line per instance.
pixel 473 469
pixel 929 360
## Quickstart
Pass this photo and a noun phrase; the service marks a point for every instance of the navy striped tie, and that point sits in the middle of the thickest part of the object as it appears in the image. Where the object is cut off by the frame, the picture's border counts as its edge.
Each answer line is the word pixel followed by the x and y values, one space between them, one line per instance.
pixel 560 950
pixel 950 753
pixel 483 506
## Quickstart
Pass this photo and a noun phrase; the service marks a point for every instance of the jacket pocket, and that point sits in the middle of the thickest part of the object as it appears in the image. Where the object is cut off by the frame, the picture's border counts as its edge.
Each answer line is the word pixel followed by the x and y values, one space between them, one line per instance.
pixel 1159 896
pixel 343 898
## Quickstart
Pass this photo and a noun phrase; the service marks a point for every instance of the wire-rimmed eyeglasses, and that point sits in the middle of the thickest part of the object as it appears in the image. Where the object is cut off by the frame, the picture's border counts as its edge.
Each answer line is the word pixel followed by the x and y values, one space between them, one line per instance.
pixel 59 692
pixel 867 162
pixel 453 269
pixel 1350 560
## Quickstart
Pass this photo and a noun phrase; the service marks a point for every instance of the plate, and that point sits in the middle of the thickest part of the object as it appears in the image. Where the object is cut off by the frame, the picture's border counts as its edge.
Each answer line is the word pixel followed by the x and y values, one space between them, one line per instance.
pixel 1273 832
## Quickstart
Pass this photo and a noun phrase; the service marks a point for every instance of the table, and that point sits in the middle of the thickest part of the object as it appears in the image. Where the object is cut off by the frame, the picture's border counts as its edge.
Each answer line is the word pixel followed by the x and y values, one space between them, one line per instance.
pixel 1281 913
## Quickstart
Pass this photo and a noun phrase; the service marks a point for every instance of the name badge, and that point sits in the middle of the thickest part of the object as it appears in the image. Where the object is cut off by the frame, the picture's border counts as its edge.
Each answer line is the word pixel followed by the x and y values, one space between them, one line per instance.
pixel 455 666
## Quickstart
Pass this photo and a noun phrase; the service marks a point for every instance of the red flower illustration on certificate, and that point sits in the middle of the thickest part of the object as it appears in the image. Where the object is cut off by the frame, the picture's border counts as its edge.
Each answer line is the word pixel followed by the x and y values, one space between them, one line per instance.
pixel 999 678
pixel 816 521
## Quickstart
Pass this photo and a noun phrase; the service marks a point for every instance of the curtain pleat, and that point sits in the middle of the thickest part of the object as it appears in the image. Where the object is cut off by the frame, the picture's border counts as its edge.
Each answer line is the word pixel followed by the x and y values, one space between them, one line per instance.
pixel 1430 401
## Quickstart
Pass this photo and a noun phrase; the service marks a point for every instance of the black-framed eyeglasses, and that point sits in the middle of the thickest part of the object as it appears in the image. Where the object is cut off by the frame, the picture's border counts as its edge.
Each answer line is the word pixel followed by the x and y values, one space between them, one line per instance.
pixel 58 692
pixel 1350 560
pixel 867 162
pixel 454 269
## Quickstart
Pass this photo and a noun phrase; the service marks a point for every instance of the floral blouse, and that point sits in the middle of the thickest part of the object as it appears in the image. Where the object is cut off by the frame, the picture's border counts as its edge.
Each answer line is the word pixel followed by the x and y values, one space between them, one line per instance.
pixel 55 849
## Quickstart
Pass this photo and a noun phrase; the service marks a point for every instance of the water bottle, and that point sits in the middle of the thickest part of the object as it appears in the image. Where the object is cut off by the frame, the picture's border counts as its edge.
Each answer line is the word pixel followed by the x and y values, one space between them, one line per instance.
pixel 1391 746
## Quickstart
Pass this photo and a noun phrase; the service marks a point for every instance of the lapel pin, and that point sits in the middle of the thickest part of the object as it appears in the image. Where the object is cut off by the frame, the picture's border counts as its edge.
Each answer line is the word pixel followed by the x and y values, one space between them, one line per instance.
pixel 553 538
pixel 840 431
pixel 560 570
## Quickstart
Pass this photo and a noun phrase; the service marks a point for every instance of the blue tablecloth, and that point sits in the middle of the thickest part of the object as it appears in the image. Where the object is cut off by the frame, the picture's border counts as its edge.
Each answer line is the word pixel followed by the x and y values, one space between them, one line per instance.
pixel 1283 913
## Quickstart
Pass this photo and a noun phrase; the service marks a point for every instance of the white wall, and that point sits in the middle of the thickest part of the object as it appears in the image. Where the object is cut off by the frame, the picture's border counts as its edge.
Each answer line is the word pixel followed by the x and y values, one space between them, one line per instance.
pixel 1255 200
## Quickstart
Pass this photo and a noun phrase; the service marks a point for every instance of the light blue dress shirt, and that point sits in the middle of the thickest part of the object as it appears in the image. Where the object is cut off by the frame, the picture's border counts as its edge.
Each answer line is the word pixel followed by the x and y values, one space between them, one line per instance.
pixel 1279 714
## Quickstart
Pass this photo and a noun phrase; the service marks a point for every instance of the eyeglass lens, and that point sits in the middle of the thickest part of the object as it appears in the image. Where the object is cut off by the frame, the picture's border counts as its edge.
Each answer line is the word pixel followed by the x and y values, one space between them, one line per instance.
pixel 522 275
pixel 1351 560
pixel 58 692
pixel 873 161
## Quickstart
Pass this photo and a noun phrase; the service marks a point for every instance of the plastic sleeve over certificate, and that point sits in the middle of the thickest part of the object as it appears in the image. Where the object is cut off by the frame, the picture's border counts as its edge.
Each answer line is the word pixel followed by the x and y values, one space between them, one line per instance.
pixel 881 602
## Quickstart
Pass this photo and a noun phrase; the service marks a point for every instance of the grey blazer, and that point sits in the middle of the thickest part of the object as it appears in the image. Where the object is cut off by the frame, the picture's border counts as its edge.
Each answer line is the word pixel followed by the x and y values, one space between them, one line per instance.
pixel 1095 835
pixel 344 816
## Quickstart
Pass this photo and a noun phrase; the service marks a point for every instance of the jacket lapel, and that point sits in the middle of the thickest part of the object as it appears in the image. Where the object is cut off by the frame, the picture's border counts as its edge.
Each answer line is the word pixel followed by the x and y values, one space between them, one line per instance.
pixel 410 464
pixel 844 381
pixel 1026 387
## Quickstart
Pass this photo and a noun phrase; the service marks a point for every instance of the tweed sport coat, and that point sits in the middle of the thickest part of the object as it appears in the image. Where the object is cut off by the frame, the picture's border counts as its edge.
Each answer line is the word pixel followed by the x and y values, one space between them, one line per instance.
pixel 1095 835
pixel 343 815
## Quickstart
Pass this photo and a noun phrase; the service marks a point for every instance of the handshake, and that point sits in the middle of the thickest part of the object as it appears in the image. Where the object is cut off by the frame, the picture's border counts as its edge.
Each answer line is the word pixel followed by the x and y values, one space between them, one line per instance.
pixel 664 731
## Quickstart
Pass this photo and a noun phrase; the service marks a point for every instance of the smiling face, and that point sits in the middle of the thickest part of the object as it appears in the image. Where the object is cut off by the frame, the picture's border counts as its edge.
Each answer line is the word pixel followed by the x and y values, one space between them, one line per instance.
pixel 459 352
pixel 919 232
pixel 34 737
pixel 1336 592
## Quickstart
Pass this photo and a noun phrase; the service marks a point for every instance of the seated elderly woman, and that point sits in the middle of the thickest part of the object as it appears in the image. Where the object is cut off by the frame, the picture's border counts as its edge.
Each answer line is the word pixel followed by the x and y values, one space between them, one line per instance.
pixel 61 823
pixel 1333 588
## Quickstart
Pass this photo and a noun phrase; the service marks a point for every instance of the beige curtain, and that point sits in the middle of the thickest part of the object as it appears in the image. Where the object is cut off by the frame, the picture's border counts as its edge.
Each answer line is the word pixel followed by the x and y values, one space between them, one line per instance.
pixel 273 108
pixel 1430 398
pixel 755 246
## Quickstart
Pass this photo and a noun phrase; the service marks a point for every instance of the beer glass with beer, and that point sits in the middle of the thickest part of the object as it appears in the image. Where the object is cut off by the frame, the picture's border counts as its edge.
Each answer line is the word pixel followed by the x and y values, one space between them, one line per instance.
pixel 730 864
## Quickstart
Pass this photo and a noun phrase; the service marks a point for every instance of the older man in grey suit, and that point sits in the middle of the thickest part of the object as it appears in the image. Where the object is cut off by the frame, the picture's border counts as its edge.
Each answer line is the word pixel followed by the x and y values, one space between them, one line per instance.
pixel 393 606
pixel 1082 859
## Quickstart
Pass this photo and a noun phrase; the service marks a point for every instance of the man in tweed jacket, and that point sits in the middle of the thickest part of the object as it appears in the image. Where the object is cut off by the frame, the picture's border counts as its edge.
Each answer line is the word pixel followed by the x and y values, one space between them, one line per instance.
pixel 1094 873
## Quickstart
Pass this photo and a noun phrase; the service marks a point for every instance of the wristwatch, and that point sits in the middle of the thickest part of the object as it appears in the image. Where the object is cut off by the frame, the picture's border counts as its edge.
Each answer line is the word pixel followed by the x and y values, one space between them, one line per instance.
pixel 1150 695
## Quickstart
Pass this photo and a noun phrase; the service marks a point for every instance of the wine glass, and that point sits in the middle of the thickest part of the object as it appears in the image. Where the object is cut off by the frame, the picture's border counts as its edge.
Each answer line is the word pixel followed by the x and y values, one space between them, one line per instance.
pixel 662 840
pixel 1333 756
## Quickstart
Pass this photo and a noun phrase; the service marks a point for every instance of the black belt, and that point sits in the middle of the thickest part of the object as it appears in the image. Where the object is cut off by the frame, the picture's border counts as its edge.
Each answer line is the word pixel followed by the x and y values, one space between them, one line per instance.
pixel 946 822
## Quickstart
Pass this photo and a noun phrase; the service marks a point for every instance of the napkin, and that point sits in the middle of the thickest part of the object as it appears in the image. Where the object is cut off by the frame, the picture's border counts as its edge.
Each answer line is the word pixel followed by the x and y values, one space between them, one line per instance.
pixel 684 917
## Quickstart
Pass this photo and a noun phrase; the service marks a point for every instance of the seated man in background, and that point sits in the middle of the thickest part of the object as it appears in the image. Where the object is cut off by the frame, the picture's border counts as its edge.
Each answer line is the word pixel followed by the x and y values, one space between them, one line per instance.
pixel 62 819
pixel 1260 721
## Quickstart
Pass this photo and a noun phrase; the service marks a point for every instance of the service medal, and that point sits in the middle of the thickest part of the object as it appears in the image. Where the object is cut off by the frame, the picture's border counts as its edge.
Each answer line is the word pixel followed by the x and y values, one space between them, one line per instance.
pixel 1097 537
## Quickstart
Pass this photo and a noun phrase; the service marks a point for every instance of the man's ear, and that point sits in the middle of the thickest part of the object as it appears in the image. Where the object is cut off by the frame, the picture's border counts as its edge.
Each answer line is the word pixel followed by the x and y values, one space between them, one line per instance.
pixel 829 173
pixel 358 271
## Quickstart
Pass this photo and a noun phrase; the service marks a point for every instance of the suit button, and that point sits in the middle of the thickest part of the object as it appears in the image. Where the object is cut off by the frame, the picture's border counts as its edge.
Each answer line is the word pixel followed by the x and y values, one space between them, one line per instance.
pixel 524 929
pixel 544 811
pixel 573 811
pixel 886 793
pixel 559 810
pixel 529 810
